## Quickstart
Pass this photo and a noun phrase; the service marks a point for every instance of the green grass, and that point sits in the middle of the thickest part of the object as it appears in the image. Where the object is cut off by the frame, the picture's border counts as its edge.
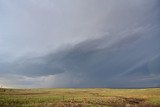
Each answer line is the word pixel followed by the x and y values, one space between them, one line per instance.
pixel 94 97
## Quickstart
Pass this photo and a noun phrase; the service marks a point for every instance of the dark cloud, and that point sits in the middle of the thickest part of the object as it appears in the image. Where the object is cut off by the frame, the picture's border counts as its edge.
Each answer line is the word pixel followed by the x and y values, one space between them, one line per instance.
pixel 51 42
pixel 122 62
pixel 100 62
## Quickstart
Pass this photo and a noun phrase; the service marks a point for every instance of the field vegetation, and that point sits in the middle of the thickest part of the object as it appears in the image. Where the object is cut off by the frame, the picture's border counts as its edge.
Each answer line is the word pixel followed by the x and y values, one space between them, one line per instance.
pixel 87 97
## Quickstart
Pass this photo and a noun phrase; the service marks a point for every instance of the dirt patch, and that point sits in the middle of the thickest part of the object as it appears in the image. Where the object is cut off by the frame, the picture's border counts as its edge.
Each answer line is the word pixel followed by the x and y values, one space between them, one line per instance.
pixel 69 104
pixel 133 100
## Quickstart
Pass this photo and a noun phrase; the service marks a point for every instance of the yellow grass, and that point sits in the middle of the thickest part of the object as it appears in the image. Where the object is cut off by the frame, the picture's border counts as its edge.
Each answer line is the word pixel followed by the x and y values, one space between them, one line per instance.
pixel 95 97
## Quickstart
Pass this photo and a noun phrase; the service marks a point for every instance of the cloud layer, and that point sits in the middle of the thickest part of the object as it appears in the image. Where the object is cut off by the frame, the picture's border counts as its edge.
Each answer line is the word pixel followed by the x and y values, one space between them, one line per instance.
pixel 80 43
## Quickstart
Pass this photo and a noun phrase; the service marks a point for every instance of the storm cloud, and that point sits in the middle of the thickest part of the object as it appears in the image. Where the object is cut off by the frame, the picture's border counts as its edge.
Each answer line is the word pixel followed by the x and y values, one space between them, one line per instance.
pixel 78 43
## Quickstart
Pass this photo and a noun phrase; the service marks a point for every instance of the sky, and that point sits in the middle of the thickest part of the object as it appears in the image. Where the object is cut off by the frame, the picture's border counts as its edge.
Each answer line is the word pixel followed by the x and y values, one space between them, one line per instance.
pixel 79 43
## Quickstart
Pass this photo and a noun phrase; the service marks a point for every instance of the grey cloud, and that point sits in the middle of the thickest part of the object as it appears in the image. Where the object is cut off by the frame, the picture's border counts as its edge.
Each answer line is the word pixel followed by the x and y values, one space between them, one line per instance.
pixel 79 43
pixel 98 64
pixel 31 67
pixel 25 25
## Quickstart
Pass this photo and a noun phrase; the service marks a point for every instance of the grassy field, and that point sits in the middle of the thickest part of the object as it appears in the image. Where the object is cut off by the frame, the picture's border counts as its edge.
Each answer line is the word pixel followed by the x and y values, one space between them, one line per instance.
pixel 95 97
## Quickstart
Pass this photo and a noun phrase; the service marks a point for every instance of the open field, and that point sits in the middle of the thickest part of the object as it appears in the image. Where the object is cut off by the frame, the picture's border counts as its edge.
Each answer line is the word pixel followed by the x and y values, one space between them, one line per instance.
pixel 95 97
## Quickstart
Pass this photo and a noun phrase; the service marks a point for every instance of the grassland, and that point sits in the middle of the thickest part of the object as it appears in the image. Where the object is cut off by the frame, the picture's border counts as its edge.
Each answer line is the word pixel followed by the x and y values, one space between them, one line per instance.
pixel 96 97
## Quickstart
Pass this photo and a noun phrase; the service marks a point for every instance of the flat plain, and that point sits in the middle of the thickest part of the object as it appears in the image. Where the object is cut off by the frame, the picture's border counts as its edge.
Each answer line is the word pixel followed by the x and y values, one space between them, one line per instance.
pixel 80 97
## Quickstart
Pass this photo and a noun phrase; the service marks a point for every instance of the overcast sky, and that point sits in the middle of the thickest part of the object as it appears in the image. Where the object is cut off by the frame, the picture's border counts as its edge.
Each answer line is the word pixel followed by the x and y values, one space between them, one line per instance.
pixel 79 43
